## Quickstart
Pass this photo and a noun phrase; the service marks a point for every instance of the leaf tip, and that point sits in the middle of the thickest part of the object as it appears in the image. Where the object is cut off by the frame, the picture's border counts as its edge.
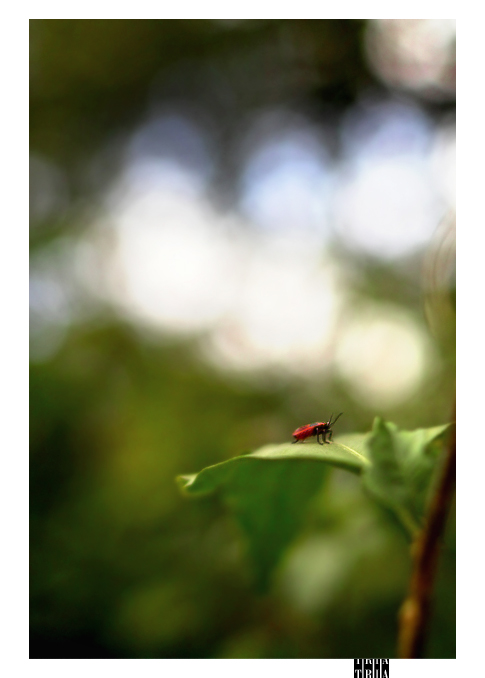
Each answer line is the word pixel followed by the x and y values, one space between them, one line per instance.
pixel 184 482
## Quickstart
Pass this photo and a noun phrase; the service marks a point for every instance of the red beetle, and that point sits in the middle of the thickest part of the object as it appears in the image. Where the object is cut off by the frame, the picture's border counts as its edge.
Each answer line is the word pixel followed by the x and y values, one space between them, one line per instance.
pixel 319 428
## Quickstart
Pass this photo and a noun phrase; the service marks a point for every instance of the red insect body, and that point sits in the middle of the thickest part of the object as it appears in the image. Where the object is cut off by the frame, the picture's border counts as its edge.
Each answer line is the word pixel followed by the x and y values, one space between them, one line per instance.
pixel 319 428
pixel 308 430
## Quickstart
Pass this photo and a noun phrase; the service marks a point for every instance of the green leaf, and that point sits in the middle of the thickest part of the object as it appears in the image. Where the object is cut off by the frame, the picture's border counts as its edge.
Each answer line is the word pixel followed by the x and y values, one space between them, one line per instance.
pixel 401 471
pixel 269 492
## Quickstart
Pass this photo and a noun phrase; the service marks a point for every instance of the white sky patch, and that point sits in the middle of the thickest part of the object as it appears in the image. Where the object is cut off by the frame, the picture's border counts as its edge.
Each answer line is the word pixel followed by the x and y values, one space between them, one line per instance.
pixel 284 315
pixel 270 295
pixel 184 270
pixel 286 184
pixel 388 203
pixel 389 208
pixel 179 265
pixel 176 263
pixel 383 355
pixel 174 139
pixel 377 128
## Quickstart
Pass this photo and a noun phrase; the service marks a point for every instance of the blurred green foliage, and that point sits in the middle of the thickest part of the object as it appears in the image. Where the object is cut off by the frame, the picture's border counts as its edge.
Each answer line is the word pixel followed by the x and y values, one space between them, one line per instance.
pixel 121 565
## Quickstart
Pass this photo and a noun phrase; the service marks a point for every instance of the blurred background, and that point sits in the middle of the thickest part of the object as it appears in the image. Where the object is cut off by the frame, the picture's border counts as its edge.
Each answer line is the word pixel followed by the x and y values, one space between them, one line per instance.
pixel 237 227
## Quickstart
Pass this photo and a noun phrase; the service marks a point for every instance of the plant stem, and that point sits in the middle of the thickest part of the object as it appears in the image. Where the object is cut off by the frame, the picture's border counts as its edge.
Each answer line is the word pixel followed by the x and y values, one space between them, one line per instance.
pixel 415 611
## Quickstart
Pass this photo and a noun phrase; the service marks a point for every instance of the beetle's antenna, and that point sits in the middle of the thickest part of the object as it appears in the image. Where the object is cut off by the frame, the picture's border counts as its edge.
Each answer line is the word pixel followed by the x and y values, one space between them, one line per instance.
pixel 333 422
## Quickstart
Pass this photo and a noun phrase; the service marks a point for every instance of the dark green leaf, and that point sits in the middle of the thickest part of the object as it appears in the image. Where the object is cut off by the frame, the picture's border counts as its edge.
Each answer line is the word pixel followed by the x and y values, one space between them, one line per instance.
pixel 269 491
pixel 401 469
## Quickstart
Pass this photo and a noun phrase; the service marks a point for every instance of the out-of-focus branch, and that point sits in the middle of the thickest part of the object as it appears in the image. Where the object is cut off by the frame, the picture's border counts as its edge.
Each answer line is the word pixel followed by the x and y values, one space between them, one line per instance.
pixel 415 611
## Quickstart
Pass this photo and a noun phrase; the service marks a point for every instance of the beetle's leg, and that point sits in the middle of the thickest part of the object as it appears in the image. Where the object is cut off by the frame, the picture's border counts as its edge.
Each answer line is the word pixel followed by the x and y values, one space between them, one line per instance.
pixel 330 434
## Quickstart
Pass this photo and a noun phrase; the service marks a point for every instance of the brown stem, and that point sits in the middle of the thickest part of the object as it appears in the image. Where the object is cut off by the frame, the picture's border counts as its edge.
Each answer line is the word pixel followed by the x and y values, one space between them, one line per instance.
pixel 415 611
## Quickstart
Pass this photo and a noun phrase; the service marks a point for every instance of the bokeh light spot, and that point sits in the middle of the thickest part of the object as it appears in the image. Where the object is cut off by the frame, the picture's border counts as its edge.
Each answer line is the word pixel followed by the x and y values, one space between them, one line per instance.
pixel 383 355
